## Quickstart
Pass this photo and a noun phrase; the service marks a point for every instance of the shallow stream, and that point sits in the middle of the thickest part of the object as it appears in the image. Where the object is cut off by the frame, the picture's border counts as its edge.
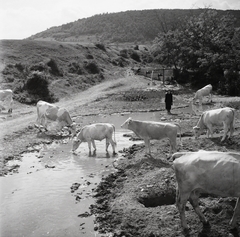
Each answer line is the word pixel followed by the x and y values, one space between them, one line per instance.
pixel 38 199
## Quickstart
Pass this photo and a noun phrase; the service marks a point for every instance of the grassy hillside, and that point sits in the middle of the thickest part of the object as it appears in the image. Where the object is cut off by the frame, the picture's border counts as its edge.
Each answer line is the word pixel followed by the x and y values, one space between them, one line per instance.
pixel 51 70
pixel 130 26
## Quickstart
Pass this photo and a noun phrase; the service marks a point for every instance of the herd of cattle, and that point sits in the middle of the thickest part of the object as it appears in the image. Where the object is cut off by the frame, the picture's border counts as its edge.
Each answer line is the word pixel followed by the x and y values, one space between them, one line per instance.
pixel 203 171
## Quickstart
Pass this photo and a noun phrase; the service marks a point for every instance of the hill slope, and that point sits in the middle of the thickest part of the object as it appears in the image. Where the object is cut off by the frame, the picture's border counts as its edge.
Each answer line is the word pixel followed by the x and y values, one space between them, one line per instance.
pixel 129 26
pixel 67 68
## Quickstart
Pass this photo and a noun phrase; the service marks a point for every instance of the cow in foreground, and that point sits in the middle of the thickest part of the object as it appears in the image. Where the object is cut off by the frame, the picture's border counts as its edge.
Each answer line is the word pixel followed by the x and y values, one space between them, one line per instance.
pixel 148 130
pixel 205 91
pixel 216 117
pixel 97 131
pixel 209 172
pixel 49 113
pixel 6 97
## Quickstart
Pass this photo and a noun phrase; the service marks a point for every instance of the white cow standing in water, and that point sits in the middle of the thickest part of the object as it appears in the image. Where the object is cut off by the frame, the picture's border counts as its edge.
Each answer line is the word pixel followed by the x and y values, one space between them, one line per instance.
pixel 97 131
pixel 210 172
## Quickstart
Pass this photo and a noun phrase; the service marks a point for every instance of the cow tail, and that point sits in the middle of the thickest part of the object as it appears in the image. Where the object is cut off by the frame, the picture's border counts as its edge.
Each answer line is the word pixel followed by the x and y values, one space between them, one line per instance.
pixel 114 135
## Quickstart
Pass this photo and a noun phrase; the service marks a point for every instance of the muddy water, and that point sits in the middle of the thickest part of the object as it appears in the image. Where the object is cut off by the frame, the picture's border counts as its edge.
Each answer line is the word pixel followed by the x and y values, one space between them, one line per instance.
pixel 37 200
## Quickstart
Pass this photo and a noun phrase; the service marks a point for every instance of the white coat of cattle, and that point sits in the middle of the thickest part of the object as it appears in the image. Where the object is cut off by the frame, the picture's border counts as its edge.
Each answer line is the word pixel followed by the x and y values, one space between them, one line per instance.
pixel 47 112
pixel 6 96
pixel 209 172
pixel 216 117
pixel 205 91
pixel 148 130
pixel 97 131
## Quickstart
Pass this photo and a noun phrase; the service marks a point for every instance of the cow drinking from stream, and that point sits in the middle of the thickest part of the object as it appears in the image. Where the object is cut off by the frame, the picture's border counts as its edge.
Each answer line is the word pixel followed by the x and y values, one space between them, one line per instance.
pixel 149 130
pixel 50 113
pixel 97 131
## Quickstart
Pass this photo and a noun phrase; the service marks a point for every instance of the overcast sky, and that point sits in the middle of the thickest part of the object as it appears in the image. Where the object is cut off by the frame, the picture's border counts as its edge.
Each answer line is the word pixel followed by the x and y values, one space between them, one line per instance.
pixel 23 18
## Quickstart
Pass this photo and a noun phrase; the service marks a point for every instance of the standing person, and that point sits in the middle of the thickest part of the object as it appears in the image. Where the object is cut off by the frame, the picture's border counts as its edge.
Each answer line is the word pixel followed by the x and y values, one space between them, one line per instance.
pixel 168 101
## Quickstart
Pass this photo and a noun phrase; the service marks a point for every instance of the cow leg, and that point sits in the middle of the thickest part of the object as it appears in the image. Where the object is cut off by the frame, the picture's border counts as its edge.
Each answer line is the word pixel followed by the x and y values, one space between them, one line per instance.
pixel 225 131
pixel 210 97
pixel 89 146
pixel 181 201
pixel 113 145
pixel 236 213
pixel 210 130
pixel 231 130
pixel 173 146
pixel 94 145
pixel 147 145
pixel 107 144
pixel 194 200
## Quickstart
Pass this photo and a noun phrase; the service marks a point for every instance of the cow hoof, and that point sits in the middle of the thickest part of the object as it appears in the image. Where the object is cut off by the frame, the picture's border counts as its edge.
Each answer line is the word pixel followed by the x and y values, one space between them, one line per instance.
pixel 114 153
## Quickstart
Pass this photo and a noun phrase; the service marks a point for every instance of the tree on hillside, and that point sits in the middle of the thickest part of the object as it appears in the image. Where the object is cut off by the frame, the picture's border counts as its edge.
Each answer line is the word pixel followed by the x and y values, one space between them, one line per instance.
pixel 206 45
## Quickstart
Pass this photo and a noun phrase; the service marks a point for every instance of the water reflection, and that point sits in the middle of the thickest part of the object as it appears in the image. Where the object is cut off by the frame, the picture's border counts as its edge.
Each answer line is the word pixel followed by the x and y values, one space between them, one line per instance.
pixel 37 201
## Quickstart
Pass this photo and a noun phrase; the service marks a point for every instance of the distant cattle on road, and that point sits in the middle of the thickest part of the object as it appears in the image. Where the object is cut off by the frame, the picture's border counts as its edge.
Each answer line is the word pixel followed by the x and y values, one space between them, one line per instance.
pixel 210 172
pixel 97 131
pixel 205 91
pixel 149 130
pixel 6 97
pixel 50 113
pixel 216 117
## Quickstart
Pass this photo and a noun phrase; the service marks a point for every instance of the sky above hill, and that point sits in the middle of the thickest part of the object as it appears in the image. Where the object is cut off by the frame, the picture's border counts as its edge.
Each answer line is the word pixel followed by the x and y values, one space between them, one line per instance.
pixel 22 18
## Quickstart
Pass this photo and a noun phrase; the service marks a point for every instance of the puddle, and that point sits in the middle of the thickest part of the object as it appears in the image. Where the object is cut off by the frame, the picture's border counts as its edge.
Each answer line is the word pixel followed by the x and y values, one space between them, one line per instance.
pixel 37 201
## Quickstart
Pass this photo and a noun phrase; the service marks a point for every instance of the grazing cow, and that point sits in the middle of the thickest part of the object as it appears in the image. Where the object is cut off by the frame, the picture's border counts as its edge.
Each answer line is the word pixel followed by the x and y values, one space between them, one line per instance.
pixel 148 130
pixel 210 172
pixel 6 96
pixel 97 131
pixel 48 112
pixel 205 91
pixel 216 117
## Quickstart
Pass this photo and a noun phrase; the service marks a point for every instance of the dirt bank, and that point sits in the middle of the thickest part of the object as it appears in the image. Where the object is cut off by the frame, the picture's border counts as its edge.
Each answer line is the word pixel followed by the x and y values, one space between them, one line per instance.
pixel 139 199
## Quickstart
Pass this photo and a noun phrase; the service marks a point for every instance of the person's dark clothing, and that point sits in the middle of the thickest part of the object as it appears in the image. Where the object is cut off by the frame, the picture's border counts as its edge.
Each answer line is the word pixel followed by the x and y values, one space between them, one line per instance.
pixel 168 101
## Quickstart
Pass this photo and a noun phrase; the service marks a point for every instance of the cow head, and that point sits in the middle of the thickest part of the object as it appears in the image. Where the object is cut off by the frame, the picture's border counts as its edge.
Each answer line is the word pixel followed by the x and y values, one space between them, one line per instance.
pixel 196 131
pixel 126 123
pixel 76 143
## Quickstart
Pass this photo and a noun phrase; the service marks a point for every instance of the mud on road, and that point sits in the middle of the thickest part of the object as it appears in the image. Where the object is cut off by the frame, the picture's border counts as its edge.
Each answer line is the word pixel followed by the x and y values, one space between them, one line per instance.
pixel 139 198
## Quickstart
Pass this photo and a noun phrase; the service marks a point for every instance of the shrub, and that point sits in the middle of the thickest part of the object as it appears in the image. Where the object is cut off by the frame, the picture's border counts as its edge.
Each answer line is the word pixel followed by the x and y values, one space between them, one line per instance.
pixel 100 46
pixel 38 67
pixel 91 67
pixel 124 53
pixel 20 67
pixel 135 56
pixel 37 88
pixel 54 68
pixel 230 84
pixel 75 68
pixel 89 56
pixel 136 47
